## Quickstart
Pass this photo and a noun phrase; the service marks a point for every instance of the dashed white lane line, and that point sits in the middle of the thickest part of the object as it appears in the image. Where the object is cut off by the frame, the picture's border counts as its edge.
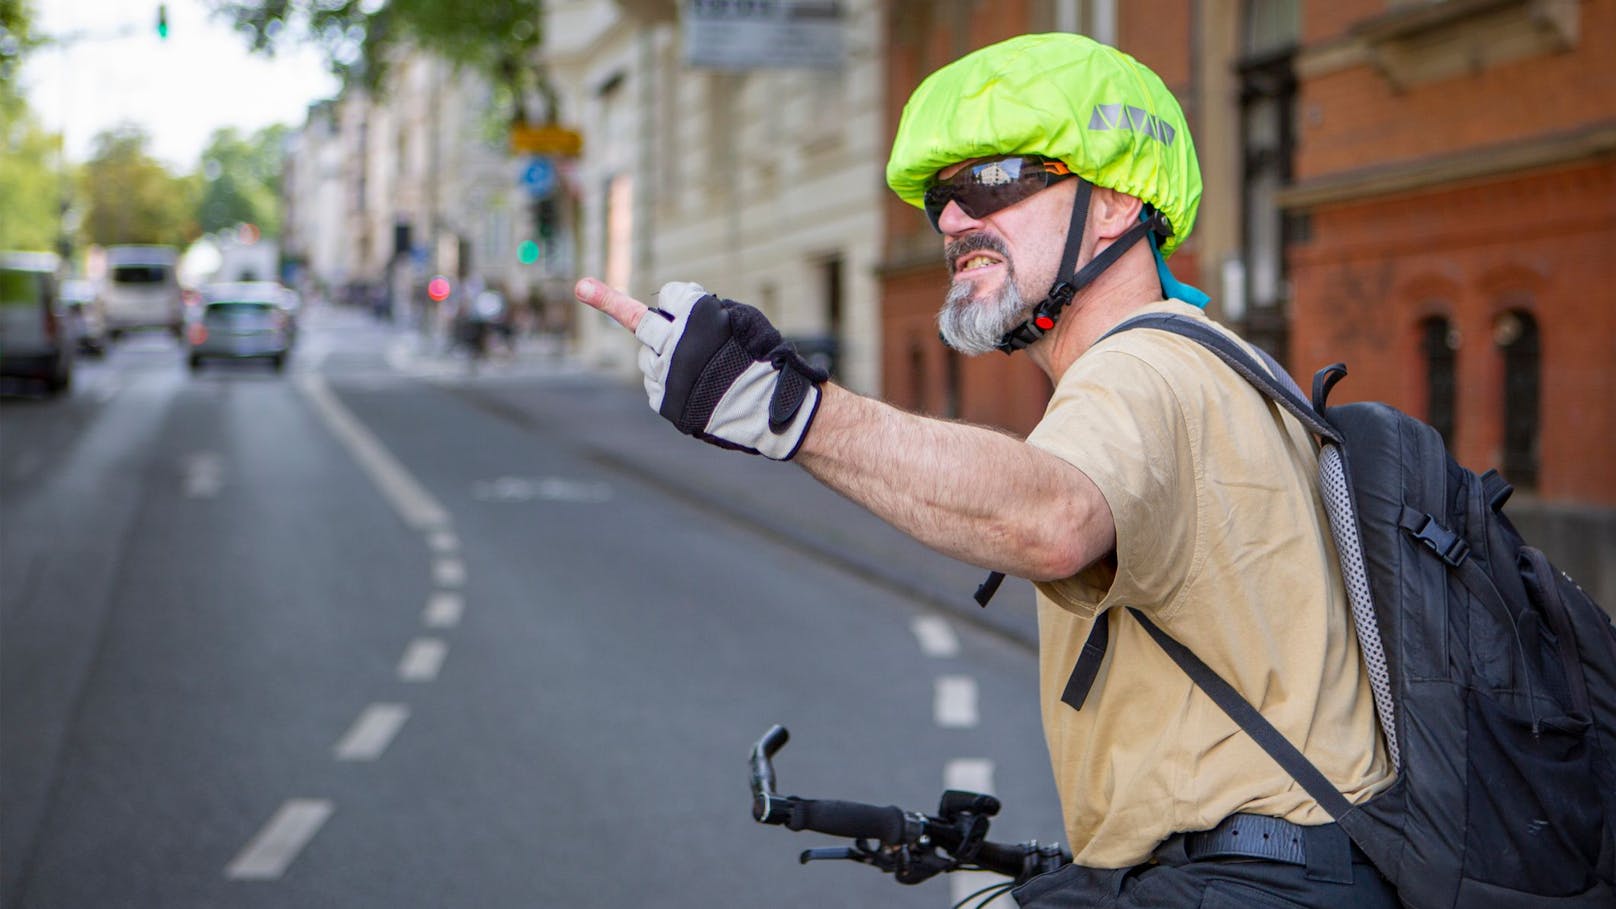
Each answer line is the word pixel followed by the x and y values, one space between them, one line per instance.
pixel 414 504
pixel 372 732
pixel 444 609
pixel 443 541
pixel 269 853
pixel 449 572
pixel 422 660
pixel 955 703
pixel 204 475
pixel 969 775
pixel 937 638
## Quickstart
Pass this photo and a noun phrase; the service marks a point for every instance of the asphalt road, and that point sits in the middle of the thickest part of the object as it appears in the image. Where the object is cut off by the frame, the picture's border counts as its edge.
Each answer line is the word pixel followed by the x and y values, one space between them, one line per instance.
pixel 379 632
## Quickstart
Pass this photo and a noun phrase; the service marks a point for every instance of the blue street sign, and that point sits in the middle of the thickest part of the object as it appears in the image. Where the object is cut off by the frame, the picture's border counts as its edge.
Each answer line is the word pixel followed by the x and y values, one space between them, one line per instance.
pixel 539 177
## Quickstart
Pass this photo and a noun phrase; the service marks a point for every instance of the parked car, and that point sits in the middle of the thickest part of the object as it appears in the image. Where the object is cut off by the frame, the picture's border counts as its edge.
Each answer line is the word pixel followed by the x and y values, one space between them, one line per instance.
pixel 142 290
pixel 33 342
pixel 85 314
pixel 239 322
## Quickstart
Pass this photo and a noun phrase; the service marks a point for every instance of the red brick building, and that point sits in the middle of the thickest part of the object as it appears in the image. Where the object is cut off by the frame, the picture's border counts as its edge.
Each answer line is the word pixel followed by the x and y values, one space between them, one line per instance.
pixel 1454 194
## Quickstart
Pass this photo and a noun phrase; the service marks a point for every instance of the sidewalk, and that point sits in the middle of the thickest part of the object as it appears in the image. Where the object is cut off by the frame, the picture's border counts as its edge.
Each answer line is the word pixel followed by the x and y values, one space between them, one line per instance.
pixel 609 417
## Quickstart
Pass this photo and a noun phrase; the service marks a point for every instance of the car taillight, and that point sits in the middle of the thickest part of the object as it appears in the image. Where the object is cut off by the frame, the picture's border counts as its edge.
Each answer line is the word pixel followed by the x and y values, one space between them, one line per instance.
pixel 51 326
pixel 198 333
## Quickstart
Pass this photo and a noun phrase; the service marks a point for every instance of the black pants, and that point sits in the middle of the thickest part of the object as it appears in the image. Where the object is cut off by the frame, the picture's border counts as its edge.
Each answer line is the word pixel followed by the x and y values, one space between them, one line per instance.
pixel 1173 881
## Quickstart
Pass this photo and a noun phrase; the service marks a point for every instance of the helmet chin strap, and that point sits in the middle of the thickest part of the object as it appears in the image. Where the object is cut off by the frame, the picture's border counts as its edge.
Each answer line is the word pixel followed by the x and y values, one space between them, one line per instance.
pixel 1048 311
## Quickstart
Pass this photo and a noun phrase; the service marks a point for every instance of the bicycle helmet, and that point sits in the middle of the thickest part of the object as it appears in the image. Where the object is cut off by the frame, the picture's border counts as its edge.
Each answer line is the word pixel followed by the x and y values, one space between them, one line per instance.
pixel 1106 116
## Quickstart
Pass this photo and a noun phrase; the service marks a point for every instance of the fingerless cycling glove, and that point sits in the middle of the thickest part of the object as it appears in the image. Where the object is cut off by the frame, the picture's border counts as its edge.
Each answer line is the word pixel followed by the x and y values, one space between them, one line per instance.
pixel 718 370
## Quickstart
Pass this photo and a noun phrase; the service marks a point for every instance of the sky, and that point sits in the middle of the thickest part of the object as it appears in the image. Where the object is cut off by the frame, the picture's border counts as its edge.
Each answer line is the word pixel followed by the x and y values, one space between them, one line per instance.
pixel 115 69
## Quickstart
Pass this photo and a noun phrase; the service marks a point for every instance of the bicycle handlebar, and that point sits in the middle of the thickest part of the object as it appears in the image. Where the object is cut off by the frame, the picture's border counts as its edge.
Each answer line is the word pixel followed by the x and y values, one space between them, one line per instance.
pixel 909 841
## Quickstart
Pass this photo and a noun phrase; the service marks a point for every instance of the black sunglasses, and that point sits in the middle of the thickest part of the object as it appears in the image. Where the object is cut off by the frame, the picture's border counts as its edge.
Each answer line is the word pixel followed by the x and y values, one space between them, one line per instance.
pixel 983 187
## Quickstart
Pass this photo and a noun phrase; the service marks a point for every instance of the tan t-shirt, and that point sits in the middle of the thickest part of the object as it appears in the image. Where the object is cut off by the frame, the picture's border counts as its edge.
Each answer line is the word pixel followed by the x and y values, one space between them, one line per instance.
pixel 1221 540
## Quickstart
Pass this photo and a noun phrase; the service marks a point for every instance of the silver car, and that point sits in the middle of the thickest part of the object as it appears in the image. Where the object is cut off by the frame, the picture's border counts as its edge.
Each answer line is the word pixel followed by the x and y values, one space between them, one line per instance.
pixel 240 322
pixel 34 344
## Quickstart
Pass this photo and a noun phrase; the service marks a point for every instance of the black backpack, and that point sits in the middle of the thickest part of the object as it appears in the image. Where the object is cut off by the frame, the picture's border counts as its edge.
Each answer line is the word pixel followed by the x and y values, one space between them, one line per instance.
pixel 1494 674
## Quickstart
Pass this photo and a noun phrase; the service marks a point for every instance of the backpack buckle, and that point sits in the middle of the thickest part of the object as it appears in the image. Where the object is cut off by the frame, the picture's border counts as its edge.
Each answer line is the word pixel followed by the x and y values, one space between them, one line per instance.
pixel 1448 546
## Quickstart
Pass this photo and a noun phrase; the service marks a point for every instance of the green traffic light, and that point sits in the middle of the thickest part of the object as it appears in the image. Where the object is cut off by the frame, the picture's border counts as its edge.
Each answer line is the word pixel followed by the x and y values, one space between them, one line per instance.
pixel 528 252
pixel 162 21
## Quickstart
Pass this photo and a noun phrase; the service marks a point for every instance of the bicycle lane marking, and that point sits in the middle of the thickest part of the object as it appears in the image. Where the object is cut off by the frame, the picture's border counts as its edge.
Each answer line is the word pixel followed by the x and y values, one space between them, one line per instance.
pixel 267 855
pixel 955 704
pixel 372 732
pixel 414 504
pixel 936 636
pixel 444 609
pixel 422 660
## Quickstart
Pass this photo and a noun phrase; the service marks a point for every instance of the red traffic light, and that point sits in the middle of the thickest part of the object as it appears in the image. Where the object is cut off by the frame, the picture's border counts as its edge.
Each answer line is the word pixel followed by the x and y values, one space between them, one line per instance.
pixel 438 289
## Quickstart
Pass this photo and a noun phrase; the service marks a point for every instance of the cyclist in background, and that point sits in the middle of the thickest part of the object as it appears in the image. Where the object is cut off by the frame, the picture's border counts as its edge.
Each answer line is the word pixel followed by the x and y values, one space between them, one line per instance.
pixel 1061 175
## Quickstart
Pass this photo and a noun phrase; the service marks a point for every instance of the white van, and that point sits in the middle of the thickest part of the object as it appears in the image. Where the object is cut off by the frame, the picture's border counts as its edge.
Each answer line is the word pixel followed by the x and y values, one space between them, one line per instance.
pixel 142 289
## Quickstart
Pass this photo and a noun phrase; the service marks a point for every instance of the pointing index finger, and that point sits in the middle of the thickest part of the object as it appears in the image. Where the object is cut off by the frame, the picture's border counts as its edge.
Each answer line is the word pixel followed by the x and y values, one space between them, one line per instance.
pixel 624 309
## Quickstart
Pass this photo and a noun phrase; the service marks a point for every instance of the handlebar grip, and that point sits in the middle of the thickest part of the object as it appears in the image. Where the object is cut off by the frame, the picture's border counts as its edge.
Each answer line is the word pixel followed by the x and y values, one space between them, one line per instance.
pixel 852 819
pixel 1008 859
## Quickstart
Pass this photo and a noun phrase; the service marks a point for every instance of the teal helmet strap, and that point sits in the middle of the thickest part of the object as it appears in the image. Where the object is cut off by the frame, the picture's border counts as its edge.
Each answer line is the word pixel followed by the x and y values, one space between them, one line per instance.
pixel 1172 288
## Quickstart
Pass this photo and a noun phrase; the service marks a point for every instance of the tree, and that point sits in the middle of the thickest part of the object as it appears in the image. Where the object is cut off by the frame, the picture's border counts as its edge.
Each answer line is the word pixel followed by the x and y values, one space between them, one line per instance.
pixel 131 198
pixel 32 187
pixel 16 40
pixel 241 179
pixel 497 38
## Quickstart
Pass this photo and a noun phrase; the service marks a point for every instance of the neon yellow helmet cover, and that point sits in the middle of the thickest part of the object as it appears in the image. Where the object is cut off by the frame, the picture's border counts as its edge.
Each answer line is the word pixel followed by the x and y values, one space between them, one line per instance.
pixel 1062 96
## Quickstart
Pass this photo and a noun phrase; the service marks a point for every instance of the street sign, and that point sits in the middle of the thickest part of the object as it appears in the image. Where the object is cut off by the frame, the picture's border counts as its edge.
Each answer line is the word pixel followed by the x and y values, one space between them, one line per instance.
pixel 745 34
pixel 539 177
pixel 535 139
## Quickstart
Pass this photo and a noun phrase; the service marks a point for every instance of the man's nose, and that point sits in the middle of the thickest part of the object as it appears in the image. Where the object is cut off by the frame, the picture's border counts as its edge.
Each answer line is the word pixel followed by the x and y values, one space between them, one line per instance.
pixel 954 221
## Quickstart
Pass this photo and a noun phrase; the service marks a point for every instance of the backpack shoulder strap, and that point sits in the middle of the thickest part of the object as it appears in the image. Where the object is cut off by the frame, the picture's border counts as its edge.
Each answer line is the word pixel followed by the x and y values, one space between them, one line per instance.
pixel 1266 375
pixel 1251 721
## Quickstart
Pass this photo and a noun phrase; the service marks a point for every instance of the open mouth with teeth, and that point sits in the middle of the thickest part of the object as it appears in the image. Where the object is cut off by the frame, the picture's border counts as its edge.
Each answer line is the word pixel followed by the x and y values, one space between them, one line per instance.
pixel 975 262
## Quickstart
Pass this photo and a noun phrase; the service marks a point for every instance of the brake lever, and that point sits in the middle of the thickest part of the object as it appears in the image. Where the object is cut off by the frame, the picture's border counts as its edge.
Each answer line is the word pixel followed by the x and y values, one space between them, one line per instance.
pixel 832 852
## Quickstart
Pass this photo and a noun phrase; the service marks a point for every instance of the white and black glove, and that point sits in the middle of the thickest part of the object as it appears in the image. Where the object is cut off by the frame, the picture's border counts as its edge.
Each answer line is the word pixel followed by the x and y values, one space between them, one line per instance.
pixel 717 370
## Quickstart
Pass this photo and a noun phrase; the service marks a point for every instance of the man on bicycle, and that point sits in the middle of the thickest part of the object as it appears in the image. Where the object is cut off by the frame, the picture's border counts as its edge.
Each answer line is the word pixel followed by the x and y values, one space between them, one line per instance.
pixel 1061 175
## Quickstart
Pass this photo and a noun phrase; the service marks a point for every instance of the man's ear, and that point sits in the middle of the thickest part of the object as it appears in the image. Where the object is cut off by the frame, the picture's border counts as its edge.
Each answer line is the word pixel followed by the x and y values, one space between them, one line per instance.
pixel 1111 213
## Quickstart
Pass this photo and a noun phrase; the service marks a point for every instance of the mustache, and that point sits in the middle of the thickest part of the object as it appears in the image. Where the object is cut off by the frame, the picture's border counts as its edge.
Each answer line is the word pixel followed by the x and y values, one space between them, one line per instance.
pixel 973 243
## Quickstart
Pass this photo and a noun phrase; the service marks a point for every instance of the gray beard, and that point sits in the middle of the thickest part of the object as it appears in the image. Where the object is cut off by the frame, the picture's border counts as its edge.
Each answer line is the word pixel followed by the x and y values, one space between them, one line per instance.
pixel 973 326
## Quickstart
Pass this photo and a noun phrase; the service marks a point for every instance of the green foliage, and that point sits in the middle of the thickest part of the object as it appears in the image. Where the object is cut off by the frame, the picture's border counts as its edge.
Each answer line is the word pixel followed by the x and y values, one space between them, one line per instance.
pixel 497 38
pixel 131 198
pixel 16 40
pixel 31 186
pixel 241 179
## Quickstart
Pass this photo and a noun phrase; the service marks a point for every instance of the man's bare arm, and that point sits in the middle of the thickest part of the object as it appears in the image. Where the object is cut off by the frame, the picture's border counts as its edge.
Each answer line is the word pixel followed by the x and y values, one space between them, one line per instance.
pixel 969 492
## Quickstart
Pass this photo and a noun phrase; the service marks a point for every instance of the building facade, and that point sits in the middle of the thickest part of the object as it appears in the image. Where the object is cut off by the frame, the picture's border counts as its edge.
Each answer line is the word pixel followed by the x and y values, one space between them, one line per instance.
pixel 760 182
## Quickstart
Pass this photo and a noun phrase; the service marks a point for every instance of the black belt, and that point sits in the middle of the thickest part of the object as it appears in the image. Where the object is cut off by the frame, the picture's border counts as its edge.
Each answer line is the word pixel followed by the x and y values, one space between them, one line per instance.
pixel 1325 850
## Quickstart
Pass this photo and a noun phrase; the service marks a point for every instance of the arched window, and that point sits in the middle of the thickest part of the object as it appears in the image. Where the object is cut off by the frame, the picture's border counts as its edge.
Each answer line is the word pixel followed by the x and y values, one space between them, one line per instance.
pixel 1515 332
pixel 1437 347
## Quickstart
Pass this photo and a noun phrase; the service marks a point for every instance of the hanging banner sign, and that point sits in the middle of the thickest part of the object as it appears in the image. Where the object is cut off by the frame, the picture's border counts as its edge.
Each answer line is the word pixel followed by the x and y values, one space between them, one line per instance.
pixel 753 34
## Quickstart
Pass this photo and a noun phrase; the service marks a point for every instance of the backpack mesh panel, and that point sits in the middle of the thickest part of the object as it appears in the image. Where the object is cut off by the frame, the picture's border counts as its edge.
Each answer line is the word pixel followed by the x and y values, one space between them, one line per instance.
pixel 1344 524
